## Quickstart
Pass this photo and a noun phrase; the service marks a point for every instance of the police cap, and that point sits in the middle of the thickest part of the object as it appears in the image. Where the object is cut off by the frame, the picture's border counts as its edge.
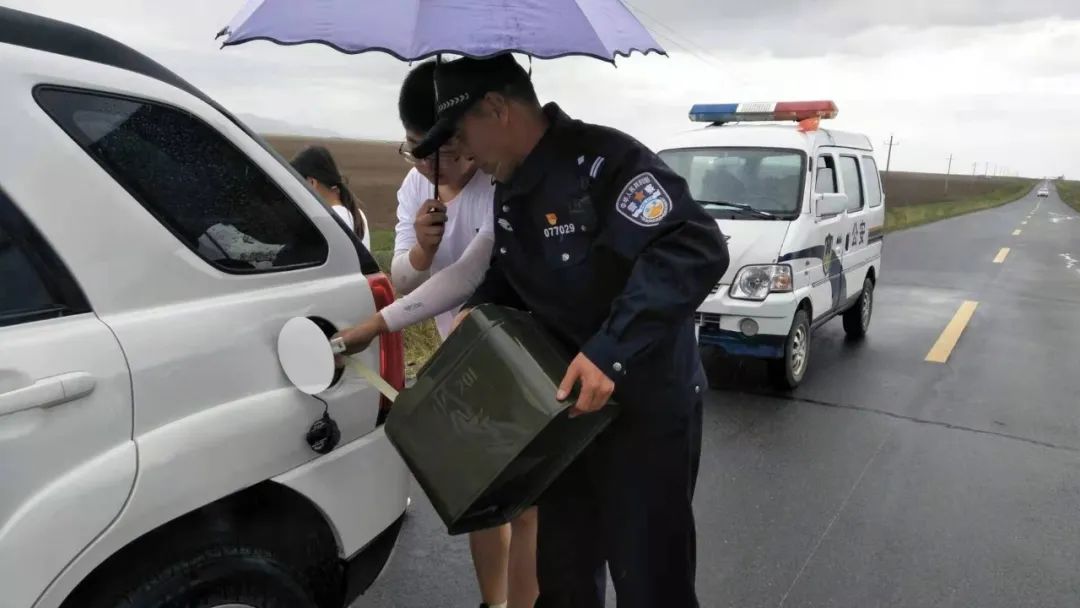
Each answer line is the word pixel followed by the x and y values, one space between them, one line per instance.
pixel 459 84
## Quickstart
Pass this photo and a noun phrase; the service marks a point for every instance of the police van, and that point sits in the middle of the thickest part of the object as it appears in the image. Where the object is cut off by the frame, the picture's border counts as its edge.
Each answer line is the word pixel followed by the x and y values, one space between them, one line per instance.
pixel 803 212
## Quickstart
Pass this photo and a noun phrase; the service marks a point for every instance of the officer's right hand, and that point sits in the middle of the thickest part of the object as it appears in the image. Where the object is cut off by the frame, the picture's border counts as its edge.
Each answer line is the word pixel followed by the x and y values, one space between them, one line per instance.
pixel 429 225
pixel 596 387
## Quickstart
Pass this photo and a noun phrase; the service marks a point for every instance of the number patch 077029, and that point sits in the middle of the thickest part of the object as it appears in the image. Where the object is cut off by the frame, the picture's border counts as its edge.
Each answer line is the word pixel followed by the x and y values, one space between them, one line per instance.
pixel 559 230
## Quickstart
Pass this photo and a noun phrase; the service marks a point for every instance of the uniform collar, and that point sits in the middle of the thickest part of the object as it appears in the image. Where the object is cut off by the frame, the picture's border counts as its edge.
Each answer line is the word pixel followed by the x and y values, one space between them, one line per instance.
pixel 536 164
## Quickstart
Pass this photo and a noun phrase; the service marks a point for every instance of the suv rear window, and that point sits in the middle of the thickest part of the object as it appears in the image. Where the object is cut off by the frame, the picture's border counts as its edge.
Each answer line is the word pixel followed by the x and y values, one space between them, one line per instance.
pixel 192 179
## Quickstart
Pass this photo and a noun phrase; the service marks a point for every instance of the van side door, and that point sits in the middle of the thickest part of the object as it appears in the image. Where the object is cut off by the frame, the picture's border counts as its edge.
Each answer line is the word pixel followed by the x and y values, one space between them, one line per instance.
pixel 856 250
pixel 830 225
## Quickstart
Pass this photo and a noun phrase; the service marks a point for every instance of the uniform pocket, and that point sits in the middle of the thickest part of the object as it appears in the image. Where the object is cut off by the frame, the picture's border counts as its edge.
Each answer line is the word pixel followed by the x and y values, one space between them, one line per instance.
pixel 566 251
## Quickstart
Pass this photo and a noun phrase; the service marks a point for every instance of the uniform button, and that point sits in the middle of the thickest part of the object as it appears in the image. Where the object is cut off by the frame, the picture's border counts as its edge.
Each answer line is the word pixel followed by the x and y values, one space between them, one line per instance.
pixel 566 257
pixel 617 366
pixel 502 250
pixel 584 228
pixel 506 208
pixel 697 389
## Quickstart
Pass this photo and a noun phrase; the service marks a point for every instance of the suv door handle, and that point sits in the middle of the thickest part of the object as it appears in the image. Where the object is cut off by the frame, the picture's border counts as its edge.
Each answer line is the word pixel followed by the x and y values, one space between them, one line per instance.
pixel 47 392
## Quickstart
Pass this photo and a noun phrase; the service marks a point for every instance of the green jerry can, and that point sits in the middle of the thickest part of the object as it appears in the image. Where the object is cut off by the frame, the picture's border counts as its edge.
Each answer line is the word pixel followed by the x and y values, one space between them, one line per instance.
pixel 481 429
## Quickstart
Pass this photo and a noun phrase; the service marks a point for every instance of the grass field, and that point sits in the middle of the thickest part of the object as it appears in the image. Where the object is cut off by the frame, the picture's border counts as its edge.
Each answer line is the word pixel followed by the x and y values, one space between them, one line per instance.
pixel 374 171
pixel 901 216
pixel 1069 192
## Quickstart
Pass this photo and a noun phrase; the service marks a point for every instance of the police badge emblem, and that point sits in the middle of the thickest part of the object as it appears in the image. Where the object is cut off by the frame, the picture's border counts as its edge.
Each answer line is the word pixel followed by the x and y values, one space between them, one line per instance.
pixel 644 201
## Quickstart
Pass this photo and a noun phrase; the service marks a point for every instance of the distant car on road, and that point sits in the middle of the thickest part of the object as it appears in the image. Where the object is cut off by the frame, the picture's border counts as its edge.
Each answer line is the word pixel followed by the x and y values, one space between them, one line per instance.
pixel 804 213
pixel 1043 192
pixel 152 451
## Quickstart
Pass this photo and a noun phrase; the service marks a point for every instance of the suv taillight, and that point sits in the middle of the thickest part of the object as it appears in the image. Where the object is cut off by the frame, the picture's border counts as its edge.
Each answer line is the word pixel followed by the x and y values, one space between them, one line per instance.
pixel 391 346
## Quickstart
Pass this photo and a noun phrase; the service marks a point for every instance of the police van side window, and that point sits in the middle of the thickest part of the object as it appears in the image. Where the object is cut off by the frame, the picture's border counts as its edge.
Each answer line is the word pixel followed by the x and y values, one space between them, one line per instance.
pixel 873 181
pixel 202 188
pixel 825 182
pixel 849 169
pixel 34 285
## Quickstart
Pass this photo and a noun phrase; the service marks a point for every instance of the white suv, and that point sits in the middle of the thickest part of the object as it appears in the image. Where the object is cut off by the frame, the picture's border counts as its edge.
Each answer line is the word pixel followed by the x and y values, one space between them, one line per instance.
pixel 152 452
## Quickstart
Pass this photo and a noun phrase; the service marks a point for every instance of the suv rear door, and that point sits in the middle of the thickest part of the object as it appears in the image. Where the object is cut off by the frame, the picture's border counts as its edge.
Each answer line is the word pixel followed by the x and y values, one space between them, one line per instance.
pixel 194 245
pixel 67 462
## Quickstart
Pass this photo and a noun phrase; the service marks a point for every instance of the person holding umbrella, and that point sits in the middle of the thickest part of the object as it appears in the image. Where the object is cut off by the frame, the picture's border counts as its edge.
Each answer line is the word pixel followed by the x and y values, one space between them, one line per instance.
pixel 603 243
pixel 442 249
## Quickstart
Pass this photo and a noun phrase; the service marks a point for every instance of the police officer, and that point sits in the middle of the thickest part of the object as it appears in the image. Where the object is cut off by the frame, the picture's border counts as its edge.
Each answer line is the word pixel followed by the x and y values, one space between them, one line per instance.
pixel 603 243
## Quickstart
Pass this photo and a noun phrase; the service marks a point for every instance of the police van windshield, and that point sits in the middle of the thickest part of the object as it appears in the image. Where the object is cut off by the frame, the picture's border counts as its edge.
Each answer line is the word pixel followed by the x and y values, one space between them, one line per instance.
pixel 750 183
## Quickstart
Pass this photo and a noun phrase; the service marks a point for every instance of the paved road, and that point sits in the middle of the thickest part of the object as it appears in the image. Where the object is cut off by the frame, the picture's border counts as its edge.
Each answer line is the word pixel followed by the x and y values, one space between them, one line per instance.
pixel 886 480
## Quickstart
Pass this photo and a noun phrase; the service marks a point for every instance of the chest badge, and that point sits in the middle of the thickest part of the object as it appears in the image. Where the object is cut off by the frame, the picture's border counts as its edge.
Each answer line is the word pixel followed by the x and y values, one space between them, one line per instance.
pixel 552 219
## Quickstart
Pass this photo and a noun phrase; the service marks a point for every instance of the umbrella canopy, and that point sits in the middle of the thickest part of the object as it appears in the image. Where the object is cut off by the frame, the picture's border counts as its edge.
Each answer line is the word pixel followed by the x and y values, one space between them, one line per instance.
pixel 417 29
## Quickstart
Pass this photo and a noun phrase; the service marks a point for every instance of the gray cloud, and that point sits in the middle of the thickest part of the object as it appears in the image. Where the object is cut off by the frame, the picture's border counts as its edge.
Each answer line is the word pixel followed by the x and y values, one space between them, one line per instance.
pixel 787 28
pixel 986 80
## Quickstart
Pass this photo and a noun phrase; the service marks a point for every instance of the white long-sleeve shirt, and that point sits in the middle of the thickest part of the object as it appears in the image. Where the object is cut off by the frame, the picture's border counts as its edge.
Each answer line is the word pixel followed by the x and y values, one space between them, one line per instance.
pixel 444 292
pixel 460 261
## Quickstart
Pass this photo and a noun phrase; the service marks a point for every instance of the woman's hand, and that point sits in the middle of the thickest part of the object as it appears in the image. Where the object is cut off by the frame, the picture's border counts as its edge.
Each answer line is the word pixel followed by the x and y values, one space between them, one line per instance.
pixel 459 318
pixel 359 337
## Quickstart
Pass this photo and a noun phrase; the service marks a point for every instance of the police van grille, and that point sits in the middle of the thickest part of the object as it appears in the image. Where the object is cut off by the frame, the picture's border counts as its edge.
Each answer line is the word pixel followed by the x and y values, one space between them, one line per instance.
pixel 715 288
pixel 707 318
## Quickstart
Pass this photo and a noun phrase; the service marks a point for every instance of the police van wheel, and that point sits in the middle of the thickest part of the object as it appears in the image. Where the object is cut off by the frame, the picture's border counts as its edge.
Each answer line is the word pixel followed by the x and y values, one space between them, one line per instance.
pixel 857 318
pixel 787 373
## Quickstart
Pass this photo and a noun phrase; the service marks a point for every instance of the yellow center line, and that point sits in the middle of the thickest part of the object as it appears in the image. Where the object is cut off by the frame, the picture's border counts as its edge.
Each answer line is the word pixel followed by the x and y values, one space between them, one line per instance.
pixel 1016 232
pixel 1000 259
pixel 946 342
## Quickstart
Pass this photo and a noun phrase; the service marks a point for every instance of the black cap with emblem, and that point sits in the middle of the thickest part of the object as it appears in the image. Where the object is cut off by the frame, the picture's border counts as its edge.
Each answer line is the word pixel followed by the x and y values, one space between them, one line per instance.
pixel 458 85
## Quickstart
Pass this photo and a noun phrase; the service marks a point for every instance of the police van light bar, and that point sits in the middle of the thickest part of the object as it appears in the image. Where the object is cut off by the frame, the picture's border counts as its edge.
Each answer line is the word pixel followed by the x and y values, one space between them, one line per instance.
pixel 720 113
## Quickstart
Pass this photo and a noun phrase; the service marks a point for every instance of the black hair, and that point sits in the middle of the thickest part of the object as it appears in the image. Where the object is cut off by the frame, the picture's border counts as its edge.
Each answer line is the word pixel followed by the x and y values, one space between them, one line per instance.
pixel 519 86
pixel 317 163
pixel 416 102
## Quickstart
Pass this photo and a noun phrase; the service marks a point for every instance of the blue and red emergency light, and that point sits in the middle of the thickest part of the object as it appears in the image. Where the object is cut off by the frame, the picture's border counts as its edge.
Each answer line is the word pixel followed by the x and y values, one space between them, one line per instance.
pixel 719 113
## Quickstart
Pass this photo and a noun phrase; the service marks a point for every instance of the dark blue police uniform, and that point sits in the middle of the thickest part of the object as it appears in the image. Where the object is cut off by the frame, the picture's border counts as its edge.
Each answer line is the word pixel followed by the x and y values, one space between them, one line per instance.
pixel 602 242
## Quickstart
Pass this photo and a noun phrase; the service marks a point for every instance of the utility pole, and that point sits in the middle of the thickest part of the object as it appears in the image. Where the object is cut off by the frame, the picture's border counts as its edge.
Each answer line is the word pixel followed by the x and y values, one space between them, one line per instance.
pixel 888 159
pixel 947 173
pixel 974 168
pixel 986 173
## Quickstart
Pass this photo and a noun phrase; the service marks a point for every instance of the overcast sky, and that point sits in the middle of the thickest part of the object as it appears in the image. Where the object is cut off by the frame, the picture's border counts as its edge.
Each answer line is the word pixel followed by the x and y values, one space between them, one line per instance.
pixel 993 81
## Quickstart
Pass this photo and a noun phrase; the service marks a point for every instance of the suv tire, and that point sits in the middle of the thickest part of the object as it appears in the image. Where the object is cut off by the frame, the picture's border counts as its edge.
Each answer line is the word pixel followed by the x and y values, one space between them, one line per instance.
pixel 215 576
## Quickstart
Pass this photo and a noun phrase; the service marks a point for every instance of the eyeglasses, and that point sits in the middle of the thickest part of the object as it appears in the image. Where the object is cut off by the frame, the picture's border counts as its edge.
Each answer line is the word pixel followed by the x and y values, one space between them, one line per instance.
pixel 405 150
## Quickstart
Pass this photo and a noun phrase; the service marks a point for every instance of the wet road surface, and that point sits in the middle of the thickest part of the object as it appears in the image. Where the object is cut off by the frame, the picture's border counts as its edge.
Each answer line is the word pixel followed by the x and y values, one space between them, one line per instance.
pixel 885 480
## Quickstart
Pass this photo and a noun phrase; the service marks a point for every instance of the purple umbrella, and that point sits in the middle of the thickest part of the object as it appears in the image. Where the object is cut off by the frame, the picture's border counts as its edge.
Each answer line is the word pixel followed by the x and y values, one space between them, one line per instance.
pixel 412 30
pixel 416 29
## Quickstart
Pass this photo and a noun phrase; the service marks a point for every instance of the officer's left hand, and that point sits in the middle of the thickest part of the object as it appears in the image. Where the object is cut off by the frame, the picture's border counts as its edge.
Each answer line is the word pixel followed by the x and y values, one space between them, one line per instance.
pixel 596 387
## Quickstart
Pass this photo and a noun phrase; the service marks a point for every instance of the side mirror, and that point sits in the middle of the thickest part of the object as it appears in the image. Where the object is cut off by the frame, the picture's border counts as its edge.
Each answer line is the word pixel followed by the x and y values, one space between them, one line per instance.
pixel 831 204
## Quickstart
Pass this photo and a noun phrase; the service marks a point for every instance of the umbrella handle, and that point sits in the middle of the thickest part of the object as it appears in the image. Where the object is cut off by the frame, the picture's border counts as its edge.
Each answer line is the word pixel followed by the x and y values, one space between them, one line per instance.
pixel 435 86
pixel 436 180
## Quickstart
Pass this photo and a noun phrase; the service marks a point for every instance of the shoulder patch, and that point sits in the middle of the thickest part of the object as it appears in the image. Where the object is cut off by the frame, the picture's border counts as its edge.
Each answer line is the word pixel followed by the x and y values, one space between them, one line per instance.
pixel 644 201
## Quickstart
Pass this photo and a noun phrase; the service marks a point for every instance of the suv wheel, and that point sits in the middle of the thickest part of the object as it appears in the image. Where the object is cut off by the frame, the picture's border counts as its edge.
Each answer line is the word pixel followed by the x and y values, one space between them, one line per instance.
pixel 786 373
pixel 215 577
pixel 216 566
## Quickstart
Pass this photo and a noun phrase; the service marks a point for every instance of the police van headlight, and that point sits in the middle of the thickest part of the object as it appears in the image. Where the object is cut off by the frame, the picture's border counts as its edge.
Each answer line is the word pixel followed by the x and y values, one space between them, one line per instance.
pixel 757 282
